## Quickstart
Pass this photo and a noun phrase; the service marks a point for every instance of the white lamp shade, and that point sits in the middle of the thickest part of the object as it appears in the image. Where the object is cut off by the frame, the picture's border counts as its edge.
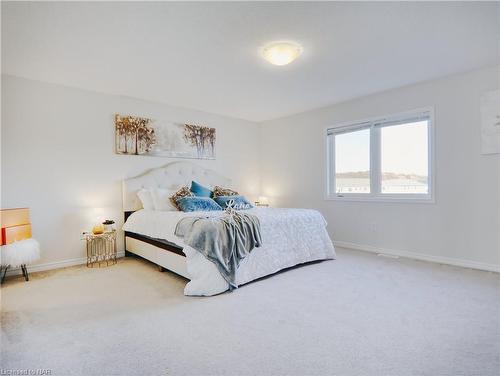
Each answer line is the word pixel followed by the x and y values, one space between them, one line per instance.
pixel 263 200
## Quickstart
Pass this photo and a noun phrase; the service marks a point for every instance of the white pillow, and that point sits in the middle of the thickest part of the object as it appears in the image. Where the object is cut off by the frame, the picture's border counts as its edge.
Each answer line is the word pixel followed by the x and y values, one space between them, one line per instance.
pixel 146 199
pixel 161 199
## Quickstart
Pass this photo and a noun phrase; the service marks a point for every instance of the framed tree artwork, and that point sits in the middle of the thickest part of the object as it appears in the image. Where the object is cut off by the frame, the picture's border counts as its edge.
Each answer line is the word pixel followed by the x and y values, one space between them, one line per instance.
pixel 144 136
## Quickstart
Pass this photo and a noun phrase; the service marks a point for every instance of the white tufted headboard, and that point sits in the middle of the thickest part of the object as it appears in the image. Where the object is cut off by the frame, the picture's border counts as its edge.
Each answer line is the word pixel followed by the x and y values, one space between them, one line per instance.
pixel 171 176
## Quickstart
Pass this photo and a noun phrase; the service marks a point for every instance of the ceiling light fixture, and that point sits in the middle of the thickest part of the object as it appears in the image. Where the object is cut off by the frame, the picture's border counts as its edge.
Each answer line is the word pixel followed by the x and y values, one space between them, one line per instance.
pixel 281 53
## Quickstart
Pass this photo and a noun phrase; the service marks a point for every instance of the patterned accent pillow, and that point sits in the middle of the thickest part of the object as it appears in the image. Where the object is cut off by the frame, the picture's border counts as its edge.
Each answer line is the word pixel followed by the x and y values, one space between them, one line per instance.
pixel 200 190
pixel 182 192
pixel 190 204
pixel 235 202
pixel 219 191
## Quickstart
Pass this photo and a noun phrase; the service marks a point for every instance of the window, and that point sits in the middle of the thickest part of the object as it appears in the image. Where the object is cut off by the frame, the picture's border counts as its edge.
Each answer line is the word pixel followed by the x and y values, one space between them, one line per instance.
pixel 352 161
pixel 381 159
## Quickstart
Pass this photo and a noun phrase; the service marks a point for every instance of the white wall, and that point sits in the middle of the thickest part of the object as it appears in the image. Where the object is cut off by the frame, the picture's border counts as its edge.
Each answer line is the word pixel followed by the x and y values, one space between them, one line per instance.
pixel 58 157
pixel 463 224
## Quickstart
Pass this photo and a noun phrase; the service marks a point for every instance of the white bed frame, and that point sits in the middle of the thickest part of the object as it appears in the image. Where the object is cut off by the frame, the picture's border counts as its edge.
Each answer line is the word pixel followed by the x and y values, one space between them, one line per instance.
pixel 171 176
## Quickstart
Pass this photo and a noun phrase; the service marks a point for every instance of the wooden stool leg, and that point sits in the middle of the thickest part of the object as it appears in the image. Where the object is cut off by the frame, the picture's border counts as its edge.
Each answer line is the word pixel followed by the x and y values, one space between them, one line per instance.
pixel 4 273
pixel 25 272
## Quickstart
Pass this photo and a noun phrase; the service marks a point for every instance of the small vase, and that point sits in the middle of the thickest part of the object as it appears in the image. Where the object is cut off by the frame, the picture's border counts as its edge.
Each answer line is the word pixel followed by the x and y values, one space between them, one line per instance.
pixel 98 229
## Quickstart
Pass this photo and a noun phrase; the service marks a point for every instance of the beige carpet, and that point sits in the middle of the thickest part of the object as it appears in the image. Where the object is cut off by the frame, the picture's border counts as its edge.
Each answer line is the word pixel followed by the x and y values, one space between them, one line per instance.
pixel 358 315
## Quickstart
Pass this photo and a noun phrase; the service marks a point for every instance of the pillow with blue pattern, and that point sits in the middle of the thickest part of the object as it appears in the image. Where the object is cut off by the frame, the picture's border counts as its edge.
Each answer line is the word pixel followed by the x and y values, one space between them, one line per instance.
pixel 200 190
pixel 237 202
pixel 191 204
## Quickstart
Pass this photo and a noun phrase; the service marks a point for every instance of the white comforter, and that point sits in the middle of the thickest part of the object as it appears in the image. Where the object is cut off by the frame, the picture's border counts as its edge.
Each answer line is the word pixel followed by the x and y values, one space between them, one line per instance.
pixel 289 237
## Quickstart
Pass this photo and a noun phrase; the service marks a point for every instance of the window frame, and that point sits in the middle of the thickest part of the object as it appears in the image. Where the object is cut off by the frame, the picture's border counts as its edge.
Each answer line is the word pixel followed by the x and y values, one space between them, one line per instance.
pixel 375 194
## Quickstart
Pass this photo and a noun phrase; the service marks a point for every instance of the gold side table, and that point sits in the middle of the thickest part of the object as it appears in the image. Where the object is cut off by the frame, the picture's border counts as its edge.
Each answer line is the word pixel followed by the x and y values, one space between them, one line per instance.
pixel 100 248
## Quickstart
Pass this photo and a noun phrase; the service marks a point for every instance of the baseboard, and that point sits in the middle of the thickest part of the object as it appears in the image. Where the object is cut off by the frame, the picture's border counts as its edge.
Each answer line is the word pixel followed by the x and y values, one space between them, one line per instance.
pixel 421 256
pixel 55 265
pixel 360 247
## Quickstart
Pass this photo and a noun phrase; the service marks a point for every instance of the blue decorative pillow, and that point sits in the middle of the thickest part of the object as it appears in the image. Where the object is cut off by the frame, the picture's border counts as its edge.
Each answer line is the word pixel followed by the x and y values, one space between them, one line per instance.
pixel 200 191
pixel 190 204
pixel 238 202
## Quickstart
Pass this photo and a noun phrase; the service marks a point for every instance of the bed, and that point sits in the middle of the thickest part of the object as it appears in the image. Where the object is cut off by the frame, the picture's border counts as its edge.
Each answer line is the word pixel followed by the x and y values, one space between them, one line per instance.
pixel 289 236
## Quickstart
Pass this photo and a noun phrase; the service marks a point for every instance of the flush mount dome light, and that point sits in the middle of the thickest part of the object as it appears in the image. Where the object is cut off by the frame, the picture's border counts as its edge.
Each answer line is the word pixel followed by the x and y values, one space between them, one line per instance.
pixel 281 53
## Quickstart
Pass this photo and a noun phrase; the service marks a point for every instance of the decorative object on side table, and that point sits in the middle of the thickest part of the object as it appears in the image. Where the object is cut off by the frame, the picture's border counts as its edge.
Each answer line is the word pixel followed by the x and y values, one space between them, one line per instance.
pixel 98 229
pixel 109 225
pixel 100 248
pixel 17 248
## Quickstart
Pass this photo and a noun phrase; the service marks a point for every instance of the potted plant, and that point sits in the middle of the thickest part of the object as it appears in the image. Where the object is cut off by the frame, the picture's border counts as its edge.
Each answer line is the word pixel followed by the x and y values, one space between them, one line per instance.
pixel 109 225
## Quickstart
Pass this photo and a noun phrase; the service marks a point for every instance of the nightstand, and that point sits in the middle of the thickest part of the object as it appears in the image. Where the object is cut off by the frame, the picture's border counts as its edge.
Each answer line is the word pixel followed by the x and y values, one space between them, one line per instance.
pixel 100 248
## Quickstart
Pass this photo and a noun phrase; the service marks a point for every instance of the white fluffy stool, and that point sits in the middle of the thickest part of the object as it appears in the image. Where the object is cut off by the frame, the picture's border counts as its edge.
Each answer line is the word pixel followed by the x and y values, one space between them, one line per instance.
pixel 19 253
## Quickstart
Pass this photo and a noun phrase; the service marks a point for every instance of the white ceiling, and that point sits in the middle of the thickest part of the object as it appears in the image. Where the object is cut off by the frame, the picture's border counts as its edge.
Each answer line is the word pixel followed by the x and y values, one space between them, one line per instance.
pixel 205 55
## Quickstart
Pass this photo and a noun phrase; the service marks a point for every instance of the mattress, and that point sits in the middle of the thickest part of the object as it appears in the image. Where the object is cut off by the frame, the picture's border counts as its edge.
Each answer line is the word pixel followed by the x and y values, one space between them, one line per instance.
pixel 160 225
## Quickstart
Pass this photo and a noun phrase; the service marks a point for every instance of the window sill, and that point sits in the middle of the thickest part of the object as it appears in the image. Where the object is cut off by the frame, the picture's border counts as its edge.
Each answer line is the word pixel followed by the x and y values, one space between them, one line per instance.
pixel 384 199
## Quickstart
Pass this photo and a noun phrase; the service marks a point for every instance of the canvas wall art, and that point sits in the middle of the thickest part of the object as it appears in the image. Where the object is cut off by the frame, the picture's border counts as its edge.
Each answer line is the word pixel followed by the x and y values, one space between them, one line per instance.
pixel 143 136
pixel 490 118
